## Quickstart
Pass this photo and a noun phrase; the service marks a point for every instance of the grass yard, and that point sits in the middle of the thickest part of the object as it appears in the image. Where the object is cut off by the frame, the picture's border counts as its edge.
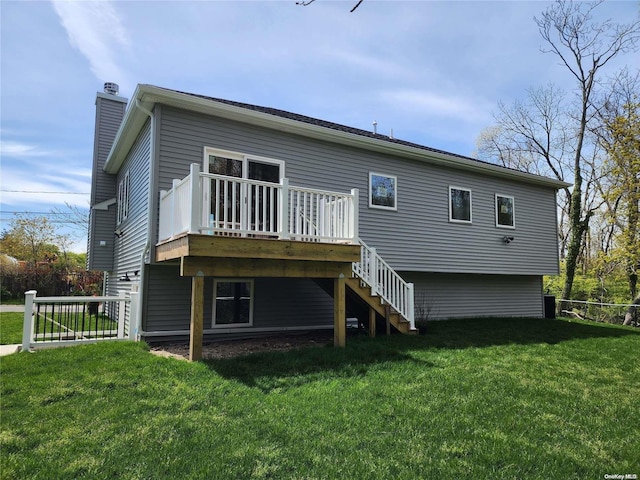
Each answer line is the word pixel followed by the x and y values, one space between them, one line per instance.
pixel 11 327
pixel 55 325
pixel 473 399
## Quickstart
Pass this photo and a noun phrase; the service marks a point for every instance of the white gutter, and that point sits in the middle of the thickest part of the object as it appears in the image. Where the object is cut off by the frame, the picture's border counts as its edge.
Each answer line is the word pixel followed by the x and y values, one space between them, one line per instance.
pixel 147 245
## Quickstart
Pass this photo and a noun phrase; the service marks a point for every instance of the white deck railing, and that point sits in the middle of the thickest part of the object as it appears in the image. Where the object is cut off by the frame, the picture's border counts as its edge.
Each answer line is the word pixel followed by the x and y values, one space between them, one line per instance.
pixel 385 282
pixel 321 215
pixel 221 205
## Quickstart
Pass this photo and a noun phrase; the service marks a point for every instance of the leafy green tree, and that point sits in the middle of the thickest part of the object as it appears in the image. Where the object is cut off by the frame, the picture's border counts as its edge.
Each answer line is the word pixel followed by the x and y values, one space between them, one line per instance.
pixel 31 239
pixel 622 195
pixel 584 47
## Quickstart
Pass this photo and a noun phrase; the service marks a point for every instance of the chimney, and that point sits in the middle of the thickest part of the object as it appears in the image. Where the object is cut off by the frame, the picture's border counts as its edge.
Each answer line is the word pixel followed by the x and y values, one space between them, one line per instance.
pixel 110 110
pixel 111 88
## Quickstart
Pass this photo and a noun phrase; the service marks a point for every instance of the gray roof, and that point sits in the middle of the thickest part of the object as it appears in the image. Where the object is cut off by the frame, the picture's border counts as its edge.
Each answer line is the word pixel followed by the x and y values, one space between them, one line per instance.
pixel 331 125
pixel 146 96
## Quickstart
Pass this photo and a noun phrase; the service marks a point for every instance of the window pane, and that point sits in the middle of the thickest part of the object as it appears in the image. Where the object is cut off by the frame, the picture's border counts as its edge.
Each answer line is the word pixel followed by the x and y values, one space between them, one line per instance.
pixel 383 191
pixel 504 207
pixel 460 205
pixel 225 166
pixel 266 172
pixel 224 312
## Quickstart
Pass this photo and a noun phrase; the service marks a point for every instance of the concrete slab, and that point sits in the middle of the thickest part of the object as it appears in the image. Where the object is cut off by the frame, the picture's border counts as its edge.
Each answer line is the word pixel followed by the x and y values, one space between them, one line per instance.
pixel 9 349
pixel 11 308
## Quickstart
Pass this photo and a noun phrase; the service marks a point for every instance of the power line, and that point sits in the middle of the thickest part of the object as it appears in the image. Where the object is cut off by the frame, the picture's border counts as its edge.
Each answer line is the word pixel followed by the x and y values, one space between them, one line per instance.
pixel 34 213
pixel 37 191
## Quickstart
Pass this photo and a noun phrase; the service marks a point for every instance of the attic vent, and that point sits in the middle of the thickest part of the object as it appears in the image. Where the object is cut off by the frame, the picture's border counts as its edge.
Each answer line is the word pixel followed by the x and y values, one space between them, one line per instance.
pixel 111 88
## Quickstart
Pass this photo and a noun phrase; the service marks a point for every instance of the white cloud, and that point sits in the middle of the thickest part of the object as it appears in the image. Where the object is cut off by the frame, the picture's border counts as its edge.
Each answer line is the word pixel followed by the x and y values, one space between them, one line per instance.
pixel 437 104
pixel 374 65
pixel 21 188
pixel 9 148
pixel 97 31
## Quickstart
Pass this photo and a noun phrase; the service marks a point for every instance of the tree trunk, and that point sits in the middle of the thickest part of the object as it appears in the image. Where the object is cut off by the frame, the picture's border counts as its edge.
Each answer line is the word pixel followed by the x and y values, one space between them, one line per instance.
pixel 577 226
pixel 632 312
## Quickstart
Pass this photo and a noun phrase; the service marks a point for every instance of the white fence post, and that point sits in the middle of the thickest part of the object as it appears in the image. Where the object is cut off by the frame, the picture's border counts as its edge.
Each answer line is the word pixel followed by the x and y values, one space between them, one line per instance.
pixel 27 325
pixel 162 227
pixel 134 321
pixel 195 215
pixel 356 207
pixel 411 305
pixel 174 205
pixel 121 313
pixel 373 271
pixel 284 209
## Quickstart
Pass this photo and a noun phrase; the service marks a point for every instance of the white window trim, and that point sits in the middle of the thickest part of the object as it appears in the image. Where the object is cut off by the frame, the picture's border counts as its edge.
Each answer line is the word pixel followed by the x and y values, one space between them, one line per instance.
pixel 123 198
pixel 395 184
pixel 513 203
pixel 243 157
pixel 455 220
pixel 251 300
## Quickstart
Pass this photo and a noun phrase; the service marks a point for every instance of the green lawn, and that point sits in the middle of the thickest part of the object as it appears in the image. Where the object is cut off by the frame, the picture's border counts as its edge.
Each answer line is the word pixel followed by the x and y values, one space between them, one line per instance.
pixel 473 399
pixel 11 327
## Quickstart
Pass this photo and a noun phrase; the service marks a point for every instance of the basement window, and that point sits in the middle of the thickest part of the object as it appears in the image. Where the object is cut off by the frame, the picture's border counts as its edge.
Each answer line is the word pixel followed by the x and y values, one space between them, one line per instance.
pixel 233 303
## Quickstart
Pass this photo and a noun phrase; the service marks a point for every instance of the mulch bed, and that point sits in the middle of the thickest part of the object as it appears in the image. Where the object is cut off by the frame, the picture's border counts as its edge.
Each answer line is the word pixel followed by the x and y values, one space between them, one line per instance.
pixel 236 348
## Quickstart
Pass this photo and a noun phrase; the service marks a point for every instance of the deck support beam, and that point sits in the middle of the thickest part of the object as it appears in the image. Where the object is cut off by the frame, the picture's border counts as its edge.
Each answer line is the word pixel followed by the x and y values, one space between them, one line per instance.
pixel 339 312
pixel 197 317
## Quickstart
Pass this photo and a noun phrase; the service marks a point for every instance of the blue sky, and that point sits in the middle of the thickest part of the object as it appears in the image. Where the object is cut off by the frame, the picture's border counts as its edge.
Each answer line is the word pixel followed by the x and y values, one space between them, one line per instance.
pixel 431 71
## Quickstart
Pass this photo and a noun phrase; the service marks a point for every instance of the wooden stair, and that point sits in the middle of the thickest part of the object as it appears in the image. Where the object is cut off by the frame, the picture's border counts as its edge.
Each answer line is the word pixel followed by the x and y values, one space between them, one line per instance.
pixel 376 303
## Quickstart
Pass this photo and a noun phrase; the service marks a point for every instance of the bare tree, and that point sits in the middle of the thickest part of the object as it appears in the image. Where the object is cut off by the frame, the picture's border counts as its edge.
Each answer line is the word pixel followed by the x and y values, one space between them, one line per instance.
pixel 306 3
pixel 535 136
pixel 584 47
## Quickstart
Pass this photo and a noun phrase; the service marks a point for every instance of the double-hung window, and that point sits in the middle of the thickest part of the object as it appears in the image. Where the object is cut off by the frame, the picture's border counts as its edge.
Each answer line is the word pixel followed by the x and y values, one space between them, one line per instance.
pixel 123 198
pixel 505 211
pixel 459 205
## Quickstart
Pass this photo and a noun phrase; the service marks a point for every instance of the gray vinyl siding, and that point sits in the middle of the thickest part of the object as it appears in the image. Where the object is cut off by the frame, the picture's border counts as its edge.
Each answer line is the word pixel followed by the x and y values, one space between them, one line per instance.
pixel 416 237
pixel 109 113
pixel 130 245
pixel 278 302
pixel 460 296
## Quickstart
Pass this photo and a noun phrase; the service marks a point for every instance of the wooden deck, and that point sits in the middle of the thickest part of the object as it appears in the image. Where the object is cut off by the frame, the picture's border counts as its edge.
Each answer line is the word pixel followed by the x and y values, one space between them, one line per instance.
pixel 263 257
pixel 203 256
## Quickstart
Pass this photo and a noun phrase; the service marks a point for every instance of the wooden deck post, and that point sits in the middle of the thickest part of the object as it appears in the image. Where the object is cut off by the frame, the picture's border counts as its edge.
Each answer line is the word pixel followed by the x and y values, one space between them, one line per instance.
pixel 387 316
pixel 197 320
pixel 339 312
pixel 372 322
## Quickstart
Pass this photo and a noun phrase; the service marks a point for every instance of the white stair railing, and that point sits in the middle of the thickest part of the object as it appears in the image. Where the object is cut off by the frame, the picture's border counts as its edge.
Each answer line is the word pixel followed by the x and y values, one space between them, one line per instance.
pixel 385 282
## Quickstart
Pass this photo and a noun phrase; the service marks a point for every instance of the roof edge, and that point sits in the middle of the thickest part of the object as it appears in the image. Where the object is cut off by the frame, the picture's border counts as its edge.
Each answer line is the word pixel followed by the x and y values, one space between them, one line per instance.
pixel 149 95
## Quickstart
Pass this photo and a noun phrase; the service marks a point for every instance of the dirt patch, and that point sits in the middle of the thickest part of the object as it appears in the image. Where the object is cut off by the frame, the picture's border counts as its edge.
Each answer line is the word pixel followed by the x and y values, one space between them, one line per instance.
pixel 236 348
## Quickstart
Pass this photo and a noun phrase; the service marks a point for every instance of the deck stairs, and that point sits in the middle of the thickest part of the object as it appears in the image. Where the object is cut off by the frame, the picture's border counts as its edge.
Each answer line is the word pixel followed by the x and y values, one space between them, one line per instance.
pixel 388 313
pixel 383 290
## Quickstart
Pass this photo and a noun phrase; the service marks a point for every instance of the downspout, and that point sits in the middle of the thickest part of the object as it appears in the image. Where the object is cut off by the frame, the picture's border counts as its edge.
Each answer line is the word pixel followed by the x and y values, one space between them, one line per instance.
pixel 147 246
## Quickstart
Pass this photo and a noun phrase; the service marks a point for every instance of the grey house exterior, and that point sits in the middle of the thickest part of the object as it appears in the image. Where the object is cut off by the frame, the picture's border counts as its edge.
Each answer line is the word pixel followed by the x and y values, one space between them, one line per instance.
pixel 473 238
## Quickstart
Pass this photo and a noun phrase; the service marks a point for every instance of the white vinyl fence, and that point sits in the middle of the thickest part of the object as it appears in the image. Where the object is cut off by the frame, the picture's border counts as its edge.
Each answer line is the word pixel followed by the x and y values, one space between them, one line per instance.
pixel 62 321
